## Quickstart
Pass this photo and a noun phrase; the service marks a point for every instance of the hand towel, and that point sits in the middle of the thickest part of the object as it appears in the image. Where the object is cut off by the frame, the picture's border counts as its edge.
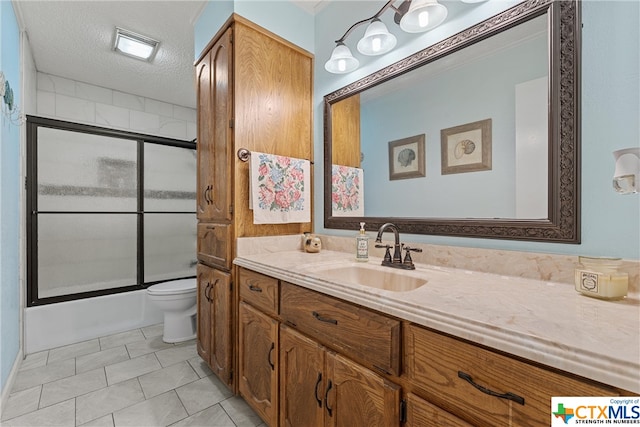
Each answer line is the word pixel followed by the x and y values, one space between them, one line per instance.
pixel 280 189
pixel 347 191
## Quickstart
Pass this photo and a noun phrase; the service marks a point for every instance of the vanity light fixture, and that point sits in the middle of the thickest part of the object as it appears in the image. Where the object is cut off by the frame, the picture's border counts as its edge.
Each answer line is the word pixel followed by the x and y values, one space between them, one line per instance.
pixel 626 178
pixel 377 39
pixel 423 15
pixel 412 16
pixel 135 45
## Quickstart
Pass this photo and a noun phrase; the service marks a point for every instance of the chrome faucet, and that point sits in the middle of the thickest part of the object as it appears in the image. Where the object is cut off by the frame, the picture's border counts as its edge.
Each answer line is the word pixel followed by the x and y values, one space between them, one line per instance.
pixel 396 261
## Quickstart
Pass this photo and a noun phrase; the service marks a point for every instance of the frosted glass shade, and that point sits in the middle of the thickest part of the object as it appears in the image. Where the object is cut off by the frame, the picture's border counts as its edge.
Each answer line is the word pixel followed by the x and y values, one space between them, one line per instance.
pixel 341 61
pixel 423 15
pixel 377 39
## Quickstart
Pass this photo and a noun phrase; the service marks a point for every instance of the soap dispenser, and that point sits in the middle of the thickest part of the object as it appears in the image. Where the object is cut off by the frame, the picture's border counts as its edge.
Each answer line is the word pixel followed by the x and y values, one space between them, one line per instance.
pixel 362 245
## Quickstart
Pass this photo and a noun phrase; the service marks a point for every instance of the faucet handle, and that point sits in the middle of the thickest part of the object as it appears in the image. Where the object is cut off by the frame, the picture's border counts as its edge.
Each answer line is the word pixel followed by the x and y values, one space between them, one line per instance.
pixel 387 254
pixel 407 258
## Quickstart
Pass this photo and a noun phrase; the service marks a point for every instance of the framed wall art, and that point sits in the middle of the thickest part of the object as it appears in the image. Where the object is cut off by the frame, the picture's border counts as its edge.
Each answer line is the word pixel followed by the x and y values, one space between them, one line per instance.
pixel 466 148
pixel 407 158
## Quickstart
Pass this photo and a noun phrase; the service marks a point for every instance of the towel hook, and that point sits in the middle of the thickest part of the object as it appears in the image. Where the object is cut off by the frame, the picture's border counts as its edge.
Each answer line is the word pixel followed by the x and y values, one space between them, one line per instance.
pixel 244 154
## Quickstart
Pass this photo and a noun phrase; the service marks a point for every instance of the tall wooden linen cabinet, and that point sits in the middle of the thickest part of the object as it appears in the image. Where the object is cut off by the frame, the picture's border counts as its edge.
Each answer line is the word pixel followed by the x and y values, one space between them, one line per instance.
pixel 254 92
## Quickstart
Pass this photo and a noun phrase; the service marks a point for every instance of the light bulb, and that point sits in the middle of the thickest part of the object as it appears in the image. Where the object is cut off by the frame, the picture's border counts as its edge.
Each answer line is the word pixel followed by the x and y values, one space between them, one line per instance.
pixel 423 18
pixel 376 44
pixel 342 65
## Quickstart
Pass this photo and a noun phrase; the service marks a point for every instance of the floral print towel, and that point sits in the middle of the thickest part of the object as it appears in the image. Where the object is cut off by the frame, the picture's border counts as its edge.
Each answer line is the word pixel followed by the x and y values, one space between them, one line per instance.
pixel 347 191
pixel 280 189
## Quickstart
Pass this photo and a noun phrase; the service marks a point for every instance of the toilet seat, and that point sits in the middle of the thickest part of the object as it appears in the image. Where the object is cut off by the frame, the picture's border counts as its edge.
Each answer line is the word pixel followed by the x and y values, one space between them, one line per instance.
pixel 173 287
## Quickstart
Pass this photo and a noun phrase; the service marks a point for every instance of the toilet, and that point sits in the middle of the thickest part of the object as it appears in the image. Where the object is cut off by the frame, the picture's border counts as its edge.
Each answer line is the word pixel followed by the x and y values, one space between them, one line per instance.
pixel 177 299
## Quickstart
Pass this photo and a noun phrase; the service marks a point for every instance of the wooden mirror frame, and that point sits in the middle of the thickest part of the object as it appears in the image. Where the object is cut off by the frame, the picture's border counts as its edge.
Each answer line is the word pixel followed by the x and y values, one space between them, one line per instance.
pixel 563 222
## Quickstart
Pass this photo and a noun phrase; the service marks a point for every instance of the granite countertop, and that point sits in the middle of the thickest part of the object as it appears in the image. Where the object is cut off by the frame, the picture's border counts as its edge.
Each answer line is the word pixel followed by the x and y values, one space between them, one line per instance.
pixel 542 321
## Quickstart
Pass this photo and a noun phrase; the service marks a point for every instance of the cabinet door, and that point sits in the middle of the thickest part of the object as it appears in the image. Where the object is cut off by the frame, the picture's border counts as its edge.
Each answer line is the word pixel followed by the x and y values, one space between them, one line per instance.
pixel 258 362
pixel 204 312
pixel 302 380
pixel 214 131
pixel 421 413
pixel 221 328
pixel 357 397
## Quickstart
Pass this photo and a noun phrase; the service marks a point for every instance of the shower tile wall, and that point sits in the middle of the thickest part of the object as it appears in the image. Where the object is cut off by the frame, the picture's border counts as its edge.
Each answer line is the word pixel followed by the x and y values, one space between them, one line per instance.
pixel 70 100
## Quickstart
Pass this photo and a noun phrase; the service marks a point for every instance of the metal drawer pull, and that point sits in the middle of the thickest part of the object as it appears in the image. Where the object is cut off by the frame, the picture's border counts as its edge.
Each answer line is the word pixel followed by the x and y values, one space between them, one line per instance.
pixel 326 395
pixel 508 396
pixel 273 367
pixel 318 399
pixel 324 319
pixel 255 288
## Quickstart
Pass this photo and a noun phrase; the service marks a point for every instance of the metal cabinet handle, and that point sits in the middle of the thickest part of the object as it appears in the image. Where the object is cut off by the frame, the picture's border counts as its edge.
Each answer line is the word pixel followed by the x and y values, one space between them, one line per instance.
pixel 207 194
pixel 255 288
pixel 326 396
pixel 206 291
pixel 273 346
pixel 508 396
pixel 315 391
pixel 324 319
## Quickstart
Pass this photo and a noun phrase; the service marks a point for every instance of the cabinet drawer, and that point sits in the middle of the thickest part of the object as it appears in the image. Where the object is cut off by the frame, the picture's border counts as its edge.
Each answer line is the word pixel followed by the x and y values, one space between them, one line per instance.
pixel 259 290
pixel 214 244
pixel 368 337
pixel 422 413
pixel 443 369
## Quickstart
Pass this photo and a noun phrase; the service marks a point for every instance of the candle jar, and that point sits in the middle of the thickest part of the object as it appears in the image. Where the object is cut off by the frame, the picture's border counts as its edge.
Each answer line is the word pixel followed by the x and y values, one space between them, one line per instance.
pixel 600 278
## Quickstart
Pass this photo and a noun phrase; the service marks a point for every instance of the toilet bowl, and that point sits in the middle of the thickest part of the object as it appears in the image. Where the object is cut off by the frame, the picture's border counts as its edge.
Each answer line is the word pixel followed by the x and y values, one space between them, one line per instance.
pixel 177 299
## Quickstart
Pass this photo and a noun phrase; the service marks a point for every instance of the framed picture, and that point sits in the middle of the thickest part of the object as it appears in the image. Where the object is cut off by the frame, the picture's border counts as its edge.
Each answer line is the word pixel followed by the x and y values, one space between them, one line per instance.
pixel 466 148
pixel 407 158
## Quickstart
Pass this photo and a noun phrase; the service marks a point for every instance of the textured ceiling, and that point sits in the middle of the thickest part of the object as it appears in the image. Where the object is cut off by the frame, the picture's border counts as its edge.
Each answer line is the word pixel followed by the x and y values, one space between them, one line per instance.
pixel 73 39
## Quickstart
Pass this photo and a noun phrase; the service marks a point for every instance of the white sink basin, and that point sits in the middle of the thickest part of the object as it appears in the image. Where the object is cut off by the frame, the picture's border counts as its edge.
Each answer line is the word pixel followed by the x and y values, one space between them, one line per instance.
pixel 371 275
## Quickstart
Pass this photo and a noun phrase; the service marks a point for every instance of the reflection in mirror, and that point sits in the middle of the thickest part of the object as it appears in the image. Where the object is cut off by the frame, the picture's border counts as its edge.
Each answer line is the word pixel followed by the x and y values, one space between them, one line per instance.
pixel 502 78
pixel 499 131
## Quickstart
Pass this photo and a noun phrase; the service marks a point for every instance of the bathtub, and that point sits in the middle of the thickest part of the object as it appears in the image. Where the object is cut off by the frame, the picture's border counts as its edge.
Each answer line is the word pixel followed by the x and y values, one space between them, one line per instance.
pixel 54 325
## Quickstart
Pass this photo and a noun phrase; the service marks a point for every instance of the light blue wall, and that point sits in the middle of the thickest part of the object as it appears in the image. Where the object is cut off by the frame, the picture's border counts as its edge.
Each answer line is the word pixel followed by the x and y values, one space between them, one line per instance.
pixel 9 198
pixel 610 111
pixel 209 22
pixel 280 17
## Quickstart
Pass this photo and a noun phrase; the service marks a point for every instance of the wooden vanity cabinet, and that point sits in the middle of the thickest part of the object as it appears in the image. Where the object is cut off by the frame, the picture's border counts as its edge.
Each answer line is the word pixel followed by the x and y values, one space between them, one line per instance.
pixel 321 388
pixel 214 328
pixel 254 91
pixel 258 361
pixel 455 375
pixel 302 380
pixel 368 337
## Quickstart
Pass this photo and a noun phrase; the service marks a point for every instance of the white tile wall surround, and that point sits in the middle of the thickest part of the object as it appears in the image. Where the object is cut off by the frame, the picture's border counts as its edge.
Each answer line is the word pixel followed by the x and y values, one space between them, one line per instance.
pixel 94 93
pixel 126 100
pixel 157 107
pixel 46 104
pixel 192 131
pixel 75 109
pixel 51 83
pixel 144 122
pixel 183 113
pixel 70 100
pixel 173 127
pixel 112 116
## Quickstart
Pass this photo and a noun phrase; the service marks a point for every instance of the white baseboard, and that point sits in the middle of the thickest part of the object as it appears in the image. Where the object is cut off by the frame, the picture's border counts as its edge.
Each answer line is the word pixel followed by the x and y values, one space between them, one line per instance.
pixel 6 390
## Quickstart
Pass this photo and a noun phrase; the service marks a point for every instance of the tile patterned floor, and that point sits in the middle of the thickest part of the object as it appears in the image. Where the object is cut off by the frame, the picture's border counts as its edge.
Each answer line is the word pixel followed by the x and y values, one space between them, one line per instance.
pixel 127 379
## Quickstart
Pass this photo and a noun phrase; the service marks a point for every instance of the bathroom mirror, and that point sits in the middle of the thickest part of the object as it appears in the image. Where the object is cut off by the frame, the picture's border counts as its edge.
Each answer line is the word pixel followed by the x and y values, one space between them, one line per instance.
pixel 497 106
